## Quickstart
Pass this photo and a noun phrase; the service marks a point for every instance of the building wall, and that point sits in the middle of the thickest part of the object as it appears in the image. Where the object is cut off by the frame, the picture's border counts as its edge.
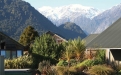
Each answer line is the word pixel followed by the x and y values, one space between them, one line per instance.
pixel 10 48
pixel 58 39
pixel 2 65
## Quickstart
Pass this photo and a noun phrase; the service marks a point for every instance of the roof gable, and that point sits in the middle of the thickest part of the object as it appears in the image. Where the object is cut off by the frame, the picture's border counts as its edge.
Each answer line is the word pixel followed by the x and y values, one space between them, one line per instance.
pixel 110 38
pixel 7 37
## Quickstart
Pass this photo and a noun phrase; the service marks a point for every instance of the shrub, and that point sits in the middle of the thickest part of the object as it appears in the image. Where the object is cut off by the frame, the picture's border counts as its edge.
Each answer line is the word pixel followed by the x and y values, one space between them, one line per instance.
pixel 39 58
pixel 64 70
pixel 87 63
pixel 61 70
pixel 18 63
pixel 100 56
pixel 101 70
pixel 62 63
pixel 44 65
pixel 46 68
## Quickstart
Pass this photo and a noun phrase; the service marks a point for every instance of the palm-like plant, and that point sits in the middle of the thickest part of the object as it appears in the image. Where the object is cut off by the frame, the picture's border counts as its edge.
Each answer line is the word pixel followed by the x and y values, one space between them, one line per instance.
pixel 68 51
pixel 79 47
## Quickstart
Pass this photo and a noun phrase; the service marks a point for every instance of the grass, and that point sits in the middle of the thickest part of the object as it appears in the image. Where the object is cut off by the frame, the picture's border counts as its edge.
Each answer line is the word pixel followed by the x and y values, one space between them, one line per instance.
pixel 101 70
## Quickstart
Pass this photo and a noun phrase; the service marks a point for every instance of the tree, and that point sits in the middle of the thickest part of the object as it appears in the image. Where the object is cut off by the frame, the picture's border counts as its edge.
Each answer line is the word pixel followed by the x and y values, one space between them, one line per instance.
pixel 45 45
pixel 28 36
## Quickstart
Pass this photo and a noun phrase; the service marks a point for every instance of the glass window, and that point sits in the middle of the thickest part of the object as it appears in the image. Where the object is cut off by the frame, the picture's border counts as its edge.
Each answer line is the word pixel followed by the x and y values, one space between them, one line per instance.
pixel 19 53
pixel 3 53
pixel 7 54
pixel 13 54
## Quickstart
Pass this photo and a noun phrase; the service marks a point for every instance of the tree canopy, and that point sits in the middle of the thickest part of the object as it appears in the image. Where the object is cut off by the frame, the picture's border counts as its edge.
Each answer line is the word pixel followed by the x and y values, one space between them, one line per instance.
pixel 28 36
pixel 46 45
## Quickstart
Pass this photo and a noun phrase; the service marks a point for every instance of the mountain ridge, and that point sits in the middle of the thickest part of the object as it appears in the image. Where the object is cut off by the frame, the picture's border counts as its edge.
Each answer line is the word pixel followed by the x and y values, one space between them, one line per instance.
pixel 96 24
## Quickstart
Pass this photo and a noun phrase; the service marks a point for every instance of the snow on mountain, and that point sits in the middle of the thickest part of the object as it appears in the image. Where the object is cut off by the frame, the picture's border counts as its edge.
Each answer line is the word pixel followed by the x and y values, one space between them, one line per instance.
pixel 69 12
pixel 107 18
pixel 90 19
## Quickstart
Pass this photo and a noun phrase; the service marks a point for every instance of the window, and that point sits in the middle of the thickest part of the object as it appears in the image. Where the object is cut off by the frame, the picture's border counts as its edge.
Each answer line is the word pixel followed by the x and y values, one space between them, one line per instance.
pixel 3 53
pixel 19 53
pixel 2 45
pixel 13 54
pixel 7 54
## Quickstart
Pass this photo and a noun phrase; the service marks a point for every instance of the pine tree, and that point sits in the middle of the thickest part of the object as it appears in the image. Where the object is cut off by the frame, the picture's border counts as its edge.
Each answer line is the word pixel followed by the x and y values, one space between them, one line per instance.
pixel 28 36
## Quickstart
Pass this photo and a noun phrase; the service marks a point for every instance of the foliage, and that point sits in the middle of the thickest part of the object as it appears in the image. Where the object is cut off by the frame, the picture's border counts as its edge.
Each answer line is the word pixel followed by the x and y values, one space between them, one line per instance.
pixel 26 61
pixel 101 70
pixel 74 49
pixel 79 48
pixel 39 58
pixel 69 51
pixel 43 65
pixel 72 28
pixel 119 72
pixel 18 63
pixel 87 63
pixel 62 63
pixel 100 56
pixel 28 36
pixel 15 15
pixel 45 45
pixel 64 70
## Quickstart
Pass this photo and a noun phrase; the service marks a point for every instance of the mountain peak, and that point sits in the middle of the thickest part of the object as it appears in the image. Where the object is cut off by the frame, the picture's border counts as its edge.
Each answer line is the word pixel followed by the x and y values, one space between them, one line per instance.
pixel 68 12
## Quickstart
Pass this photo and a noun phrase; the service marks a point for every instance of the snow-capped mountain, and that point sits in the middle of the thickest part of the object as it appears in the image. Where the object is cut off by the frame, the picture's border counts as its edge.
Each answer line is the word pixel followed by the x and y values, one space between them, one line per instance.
pixel 90 19
pixel 69 11
pixel 107 18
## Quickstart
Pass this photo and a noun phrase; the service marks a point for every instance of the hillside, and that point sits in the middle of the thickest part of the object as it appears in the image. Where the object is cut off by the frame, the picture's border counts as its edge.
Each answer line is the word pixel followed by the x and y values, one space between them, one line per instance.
pixel 15 15
pixel 72 29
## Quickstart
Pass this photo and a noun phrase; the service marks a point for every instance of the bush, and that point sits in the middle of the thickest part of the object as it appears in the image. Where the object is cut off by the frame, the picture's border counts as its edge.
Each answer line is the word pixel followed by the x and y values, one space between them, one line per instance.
pixel 44 65
pixel 39 58
pixel 19 63
pixel 101 70
pixel 64 70
pixel 100 56
pixel 87 63
pixel 62 63
pixel 46 68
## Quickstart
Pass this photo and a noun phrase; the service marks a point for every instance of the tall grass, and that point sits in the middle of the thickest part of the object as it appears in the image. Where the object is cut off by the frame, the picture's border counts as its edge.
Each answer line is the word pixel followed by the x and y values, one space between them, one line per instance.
pixel 101 70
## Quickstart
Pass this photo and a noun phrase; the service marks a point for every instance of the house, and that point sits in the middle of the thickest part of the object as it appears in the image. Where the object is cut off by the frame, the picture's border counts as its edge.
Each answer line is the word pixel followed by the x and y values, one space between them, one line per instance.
pixel 110 40
pixel 87 40
pixel 2 65
pixel 10 48
pixel 59 39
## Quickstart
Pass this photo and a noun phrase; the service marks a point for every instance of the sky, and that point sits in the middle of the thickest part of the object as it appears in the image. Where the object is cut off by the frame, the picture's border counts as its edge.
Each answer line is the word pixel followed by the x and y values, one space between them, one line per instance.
pixel 99 4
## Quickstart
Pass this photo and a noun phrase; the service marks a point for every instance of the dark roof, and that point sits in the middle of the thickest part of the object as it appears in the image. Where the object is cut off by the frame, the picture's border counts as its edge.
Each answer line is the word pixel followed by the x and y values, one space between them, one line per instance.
pixel 110 38
pixel 1 33
pixel 89 38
